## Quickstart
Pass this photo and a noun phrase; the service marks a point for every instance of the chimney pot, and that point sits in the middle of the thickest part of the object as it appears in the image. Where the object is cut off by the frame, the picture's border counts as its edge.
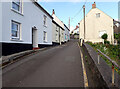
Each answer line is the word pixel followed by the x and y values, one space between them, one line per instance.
pixel 94 5
pixel 53 12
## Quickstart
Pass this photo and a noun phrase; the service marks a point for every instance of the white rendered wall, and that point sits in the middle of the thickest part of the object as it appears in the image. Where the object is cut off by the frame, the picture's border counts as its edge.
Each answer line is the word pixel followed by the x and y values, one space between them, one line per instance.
pixel 95 25
pixel 55 33
pixel 32 16
pixel 58 21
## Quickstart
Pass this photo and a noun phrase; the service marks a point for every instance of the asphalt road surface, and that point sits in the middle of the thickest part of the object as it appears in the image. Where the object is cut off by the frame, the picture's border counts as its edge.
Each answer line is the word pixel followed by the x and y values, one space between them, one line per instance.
pixel 59 66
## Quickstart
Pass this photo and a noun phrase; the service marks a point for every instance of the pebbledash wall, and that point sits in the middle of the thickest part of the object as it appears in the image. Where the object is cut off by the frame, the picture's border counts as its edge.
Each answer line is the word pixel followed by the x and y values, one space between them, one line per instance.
pixel 32 15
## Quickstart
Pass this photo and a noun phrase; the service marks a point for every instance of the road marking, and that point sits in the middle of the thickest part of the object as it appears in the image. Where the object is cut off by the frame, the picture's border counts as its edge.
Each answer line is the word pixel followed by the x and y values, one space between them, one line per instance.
pixel 84 70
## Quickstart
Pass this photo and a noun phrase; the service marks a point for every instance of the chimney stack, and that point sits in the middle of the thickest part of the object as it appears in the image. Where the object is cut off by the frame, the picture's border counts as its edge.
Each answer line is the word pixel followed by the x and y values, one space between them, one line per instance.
pixel 94 5
pixel 53 12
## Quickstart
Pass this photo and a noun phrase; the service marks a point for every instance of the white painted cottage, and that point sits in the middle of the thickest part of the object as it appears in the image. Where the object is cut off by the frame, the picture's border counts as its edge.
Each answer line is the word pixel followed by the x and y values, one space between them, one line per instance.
pixel 58 30
pixel 25 26
pixel 67 33
pixel 96 24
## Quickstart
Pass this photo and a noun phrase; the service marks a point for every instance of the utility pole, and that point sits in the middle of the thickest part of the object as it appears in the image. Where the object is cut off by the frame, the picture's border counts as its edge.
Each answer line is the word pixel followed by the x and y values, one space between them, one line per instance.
pixel 69 23
pixel 84 20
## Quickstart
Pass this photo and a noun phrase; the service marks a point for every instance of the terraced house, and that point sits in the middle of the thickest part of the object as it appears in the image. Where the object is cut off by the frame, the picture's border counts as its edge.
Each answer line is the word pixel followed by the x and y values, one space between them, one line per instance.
pixel 25 26
pixel 67 35
pixel 58 30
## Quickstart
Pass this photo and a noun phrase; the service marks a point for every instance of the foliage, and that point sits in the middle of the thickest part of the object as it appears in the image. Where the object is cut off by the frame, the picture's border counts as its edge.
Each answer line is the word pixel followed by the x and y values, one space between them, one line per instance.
pixel 106 42
pixel 76 34
pixel 104 36
pixel 116 36
pixel 113 51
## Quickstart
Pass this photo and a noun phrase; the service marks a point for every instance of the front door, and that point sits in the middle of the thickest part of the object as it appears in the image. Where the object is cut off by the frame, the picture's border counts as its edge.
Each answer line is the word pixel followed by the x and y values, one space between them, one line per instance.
pixel 34 38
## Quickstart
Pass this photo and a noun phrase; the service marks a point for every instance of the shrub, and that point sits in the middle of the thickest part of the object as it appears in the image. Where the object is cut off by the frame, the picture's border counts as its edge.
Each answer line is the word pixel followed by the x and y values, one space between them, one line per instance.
pixel 106 42
pixel 104 36
pixel 116 36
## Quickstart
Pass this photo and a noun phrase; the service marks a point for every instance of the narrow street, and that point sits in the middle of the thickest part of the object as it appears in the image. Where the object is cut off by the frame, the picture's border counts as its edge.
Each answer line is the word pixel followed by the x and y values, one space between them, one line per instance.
pixel 59 66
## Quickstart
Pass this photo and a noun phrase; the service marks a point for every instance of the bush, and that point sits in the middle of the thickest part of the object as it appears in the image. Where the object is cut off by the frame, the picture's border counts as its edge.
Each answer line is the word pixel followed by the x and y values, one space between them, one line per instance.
pixel 106 42
pixel 104 36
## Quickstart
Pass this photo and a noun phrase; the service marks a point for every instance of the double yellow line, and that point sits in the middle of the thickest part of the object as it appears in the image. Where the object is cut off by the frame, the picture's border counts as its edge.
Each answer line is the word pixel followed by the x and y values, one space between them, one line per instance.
pixel 84 70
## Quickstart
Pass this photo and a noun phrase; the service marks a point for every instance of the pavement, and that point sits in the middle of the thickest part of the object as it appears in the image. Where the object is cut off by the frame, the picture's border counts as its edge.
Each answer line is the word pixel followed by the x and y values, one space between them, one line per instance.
pixel 58 66
pixel 9 59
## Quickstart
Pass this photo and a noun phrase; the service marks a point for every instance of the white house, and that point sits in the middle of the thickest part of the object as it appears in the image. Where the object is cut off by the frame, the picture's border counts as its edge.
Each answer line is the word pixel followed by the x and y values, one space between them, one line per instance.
pixel 67 33
pixel 61 28
pixel 25 26
pixel 96 24
pixel 55 33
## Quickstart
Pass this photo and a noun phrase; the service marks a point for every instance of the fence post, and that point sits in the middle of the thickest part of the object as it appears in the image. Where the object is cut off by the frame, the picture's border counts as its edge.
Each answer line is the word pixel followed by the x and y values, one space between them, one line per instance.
pixel 113 77
pixel 98 58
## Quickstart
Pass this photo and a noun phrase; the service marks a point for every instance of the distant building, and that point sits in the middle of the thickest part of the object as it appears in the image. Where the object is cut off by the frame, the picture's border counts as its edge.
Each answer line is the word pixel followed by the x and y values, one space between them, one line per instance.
pixel 97 23
pixel 116 27
pixel 67 33
pixel 76 36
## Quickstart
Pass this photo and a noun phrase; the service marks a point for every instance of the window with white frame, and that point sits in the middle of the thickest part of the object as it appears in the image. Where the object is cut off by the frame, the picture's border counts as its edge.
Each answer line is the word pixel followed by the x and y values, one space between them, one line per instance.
pixel 44 36
pixel 45 20
pixel 17 5
pixel 15 30
pixel 98 15
pixel 102 33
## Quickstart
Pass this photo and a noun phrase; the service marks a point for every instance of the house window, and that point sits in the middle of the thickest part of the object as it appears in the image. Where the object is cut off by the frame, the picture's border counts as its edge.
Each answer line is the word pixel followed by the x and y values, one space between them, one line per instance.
pixel 45 36
pixel 15 30
pixel 56 37
pixel 98 15
pixel 45 20
pixel 56 27
pixel 17 5
pixel 102 33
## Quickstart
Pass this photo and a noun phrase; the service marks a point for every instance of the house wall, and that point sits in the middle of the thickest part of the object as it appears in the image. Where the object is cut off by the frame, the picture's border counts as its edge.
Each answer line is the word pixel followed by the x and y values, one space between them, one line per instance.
pixel 62 36
pixel 32 16
pixel 55 32
pixel 94 26
pixel 60 23
pixel 66 34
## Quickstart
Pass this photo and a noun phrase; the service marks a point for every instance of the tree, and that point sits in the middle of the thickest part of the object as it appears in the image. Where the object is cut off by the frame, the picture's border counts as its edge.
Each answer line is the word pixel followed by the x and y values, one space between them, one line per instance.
pixel 104 36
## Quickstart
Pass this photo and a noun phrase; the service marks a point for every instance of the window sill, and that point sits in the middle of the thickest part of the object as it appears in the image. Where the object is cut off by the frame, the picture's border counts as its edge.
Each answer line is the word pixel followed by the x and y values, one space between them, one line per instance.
pixel 45 41
pixel 45 26
pixel 18 40
pixel 17 12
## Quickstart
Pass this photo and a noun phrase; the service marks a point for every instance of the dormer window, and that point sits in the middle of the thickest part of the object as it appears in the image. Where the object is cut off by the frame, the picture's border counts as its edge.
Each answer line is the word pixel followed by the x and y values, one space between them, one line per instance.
pixel 17 5
pixel 98 15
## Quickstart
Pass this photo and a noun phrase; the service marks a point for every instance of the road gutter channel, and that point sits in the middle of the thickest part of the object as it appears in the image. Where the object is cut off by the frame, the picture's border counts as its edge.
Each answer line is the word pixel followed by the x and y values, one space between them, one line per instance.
pixel 84 70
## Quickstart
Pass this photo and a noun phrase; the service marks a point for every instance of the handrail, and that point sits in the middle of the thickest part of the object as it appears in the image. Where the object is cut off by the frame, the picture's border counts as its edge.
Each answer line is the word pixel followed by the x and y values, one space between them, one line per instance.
pixel 113 62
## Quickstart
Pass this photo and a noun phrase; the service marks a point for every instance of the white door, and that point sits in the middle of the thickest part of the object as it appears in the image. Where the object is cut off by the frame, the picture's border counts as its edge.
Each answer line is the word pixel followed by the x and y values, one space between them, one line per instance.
pixel 34 38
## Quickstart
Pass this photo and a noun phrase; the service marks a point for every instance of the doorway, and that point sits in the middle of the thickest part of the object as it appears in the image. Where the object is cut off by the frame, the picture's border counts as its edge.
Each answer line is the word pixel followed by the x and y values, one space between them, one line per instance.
pixel 34 38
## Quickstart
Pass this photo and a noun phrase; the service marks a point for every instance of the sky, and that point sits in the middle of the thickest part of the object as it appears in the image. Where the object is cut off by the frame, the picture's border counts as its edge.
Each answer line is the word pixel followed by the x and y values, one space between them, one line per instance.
pixel 64 10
